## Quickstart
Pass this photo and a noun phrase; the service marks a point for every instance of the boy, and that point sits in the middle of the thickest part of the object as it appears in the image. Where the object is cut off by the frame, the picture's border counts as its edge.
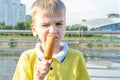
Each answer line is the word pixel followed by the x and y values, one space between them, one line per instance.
pixel 48 18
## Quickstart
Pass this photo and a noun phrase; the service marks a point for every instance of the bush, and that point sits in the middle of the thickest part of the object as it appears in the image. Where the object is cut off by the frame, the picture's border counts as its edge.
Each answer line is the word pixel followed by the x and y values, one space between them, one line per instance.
pixel 90 45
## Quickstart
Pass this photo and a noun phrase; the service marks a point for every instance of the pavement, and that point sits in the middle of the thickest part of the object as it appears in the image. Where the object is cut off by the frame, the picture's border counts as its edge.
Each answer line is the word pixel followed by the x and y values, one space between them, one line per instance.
pixel 103 70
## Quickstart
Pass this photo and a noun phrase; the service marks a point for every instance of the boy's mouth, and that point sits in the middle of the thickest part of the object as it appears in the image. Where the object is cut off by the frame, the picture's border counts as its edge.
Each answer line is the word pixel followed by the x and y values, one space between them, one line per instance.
pixel 56 37
pixel 52 35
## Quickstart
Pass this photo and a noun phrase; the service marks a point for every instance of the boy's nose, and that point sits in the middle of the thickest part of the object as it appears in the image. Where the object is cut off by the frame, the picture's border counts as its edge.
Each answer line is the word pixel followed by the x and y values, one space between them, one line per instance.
pixel 53 30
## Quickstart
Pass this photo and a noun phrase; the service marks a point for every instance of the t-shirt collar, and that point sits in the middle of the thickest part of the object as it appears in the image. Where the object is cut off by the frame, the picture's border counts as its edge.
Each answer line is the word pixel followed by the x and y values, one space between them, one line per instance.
pixel 60 56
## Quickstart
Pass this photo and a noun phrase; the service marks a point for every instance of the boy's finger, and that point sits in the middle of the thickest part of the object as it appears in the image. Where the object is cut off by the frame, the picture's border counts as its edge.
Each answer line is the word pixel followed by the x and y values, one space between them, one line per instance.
pixel 50 61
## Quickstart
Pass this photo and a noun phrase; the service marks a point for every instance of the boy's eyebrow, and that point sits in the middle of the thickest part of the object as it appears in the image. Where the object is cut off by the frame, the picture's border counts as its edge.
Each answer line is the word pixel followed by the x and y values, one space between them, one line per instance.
pixel 56 22
pixel 60 21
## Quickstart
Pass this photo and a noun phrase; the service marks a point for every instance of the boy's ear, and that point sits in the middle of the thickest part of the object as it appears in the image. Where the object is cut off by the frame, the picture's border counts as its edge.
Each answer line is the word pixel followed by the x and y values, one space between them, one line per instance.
pixel 33 29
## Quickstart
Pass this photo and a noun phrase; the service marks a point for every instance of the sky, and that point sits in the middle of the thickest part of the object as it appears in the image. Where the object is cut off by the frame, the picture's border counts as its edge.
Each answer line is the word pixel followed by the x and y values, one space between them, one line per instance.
pixel 77 10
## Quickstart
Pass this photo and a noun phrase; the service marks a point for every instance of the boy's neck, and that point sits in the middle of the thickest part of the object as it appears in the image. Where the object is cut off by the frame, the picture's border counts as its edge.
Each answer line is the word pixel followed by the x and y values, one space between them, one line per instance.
pixel 57 50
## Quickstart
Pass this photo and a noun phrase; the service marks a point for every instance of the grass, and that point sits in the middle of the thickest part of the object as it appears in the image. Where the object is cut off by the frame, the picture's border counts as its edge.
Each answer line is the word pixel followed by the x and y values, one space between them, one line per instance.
pixel 17 37
pixel 32 37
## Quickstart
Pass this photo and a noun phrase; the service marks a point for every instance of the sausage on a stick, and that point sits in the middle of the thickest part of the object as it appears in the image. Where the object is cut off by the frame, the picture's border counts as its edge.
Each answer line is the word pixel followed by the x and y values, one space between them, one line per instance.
pixel 49 47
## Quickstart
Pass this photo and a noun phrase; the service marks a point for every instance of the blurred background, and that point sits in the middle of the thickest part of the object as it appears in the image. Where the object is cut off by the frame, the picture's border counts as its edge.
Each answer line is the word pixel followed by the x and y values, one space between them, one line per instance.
pixel 93 27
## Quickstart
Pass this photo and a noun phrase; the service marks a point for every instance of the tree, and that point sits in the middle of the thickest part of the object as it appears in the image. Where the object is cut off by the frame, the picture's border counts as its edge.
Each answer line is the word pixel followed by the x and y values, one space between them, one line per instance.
pixel 73 28
pixel 28 24
pixel 84 28
pixel 2 26
pixel 66 27
pixel 9 27
pixel 23 25
pixel 20 26
pixel 93 29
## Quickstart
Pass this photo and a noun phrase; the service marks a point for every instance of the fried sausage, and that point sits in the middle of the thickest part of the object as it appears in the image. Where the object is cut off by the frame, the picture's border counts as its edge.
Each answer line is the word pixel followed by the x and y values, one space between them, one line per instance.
pixel 49 47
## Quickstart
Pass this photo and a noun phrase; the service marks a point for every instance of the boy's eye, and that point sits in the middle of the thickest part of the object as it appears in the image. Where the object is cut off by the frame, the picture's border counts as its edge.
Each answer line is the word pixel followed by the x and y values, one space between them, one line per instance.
pixel 59 23
pixel 45 25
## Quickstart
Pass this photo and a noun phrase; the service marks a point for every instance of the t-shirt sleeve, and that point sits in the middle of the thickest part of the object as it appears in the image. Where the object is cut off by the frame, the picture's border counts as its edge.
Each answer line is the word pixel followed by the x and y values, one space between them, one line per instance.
pixel 83 70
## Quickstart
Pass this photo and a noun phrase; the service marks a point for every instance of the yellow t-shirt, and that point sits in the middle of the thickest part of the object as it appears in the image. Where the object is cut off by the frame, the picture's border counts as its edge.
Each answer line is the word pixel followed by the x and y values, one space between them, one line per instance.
pixel 73 67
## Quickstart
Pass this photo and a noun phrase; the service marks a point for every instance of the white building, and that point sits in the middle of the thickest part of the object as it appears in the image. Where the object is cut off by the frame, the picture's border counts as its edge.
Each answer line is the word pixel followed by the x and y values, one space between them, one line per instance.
pixel 12 11
pixel 103 22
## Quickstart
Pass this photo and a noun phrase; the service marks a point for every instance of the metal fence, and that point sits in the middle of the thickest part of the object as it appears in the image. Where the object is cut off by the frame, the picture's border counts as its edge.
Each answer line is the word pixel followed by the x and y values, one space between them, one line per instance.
pixel 67 32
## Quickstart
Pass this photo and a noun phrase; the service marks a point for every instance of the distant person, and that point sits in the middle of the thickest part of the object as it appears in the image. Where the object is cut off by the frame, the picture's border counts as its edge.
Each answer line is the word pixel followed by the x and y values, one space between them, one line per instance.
pixel 49 18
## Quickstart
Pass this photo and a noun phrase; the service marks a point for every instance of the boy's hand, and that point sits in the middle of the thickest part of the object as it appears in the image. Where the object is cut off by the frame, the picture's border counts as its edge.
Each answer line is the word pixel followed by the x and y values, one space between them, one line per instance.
pixel 43 68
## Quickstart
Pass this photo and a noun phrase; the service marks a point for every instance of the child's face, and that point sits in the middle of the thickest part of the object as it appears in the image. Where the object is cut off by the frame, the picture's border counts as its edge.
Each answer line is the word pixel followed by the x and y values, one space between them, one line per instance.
pixel 46 24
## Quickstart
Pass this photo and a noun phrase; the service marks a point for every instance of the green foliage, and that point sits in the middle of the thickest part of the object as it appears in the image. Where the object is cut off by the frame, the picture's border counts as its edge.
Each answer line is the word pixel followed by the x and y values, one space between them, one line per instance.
pixel 106 45
pixel 66 27
pixel 93 29
pixel 90 45
pixel 116 45
pixel 9 27
pixel 2 25
pixel 83 28
pixel 99 45
pixel 23 25
pixel 19 26
pixel 28 25
pixel 12 44
pixel 74 28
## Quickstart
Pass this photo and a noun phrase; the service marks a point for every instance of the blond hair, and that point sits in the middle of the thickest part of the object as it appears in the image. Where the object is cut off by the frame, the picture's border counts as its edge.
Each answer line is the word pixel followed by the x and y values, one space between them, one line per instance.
pixel 50 6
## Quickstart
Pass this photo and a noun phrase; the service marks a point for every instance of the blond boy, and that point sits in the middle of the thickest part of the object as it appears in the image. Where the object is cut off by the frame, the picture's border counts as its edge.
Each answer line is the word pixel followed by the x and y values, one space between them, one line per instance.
pixel 49 18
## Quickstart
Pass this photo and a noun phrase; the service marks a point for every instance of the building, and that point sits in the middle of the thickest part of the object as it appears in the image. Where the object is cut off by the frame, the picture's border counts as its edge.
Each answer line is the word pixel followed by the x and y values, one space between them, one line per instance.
pixel 104 24
pixel 12 11
pixel 28 17
pixel 109 27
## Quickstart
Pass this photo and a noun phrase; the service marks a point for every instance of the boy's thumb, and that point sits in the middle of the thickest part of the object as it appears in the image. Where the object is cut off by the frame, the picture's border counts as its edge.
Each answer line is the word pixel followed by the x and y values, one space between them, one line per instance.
pixel 50 61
